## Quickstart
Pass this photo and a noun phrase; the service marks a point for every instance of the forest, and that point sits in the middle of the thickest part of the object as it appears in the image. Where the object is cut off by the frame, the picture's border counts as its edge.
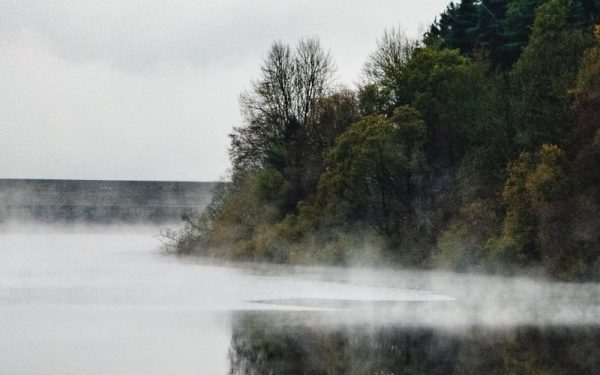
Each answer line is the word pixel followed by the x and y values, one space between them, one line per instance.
pixel 475 148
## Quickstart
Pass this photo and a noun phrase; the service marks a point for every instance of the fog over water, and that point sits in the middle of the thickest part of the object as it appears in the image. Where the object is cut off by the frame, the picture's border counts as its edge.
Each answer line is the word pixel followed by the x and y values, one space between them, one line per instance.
pixel 105 299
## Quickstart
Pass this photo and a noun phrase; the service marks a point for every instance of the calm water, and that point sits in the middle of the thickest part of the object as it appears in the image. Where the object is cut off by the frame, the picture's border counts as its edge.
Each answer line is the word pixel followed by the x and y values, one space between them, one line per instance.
pixel 83 301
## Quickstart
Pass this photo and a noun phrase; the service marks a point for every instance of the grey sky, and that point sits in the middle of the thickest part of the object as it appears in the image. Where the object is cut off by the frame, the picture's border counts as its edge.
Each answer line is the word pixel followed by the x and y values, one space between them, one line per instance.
pixel 147 89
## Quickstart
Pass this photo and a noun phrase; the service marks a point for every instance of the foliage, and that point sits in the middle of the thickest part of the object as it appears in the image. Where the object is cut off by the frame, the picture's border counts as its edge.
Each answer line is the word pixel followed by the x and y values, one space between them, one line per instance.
pixel 462 245
pixel 374 170
pixel 475 148
pixel 502 27
pixel 543 76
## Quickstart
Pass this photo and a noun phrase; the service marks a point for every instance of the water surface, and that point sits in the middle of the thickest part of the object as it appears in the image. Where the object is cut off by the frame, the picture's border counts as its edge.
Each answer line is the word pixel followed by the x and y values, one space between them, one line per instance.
pixel 107 300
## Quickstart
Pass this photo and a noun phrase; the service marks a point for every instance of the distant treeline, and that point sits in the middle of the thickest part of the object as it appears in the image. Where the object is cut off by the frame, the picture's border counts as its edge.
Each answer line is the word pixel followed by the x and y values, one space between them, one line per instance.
pixel 476 147
pixel 93 201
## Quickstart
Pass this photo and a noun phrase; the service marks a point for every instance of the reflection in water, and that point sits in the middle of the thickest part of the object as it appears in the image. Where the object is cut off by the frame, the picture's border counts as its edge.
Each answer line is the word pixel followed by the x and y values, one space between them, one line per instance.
pixel 282 343
pixel 103 300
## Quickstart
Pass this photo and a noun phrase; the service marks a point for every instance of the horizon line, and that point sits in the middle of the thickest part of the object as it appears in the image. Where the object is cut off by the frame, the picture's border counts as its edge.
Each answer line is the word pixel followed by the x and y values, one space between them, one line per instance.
pixel 107 180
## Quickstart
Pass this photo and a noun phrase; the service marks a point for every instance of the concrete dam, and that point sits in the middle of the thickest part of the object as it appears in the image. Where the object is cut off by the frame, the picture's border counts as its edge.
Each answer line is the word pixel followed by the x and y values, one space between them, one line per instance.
pixel 101 201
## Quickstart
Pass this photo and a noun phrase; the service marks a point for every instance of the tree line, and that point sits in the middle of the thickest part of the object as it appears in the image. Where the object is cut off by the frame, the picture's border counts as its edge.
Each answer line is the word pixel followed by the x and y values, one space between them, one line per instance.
pixel 476 147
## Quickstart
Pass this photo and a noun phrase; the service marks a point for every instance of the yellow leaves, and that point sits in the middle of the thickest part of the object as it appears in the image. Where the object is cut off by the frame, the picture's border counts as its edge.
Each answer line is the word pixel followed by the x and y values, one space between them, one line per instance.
pixel 514 194
pixel 588 76
pixel 548 180
pixel 530 182
pixel 533 181
pixel 551 154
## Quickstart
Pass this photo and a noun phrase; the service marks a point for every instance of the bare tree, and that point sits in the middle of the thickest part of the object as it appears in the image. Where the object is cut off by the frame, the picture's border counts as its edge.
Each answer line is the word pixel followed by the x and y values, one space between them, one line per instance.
pixel 314 70
pixel 394 49
pixel 280 102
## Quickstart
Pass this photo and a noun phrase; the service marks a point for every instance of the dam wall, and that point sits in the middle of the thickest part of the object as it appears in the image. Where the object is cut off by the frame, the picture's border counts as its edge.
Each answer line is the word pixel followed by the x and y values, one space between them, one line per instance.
pixel 101 201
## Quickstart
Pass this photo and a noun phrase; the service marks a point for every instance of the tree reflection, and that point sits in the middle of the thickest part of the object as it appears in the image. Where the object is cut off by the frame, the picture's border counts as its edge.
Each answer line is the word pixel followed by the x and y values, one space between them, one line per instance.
pixel 273 343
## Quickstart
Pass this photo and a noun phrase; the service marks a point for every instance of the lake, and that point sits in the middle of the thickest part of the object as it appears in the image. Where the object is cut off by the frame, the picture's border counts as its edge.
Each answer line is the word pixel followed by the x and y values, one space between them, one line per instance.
pixel 106 299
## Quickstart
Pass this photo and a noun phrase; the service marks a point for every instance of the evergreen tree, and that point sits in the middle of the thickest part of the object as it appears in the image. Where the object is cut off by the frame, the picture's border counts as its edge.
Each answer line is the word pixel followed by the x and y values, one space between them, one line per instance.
pixel 544 74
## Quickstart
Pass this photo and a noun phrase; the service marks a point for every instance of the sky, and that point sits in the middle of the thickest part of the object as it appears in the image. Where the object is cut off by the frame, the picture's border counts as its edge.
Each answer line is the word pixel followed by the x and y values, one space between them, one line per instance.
pixel 148 89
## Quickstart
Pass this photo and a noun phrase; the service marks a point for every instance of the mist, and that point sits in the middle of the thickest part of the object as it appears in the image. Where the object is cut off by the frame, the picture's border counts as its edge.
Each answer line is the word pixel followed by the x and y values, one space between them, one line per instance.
pixel 153 312
pixel 299 187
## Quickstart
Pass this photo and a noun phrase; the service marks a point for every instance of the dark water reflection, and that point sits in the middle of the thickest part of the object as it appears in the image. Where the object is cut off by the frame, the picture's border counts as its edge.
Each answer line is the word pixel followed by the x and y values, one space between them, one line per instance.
pixel 291 343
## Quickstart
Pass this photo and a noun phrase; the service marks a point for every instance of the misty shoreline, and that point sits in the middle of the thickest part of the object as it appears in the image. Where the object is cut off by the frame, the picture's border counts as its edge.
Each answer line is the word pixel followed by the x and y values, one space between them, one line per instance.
pixel 111 301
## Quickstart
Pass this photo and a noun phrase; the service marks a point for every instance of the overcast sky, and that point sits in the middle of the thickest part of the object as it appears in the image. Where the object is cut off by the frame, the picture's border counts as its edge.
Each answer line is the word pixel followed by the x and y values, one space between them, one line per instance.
pixel 148 89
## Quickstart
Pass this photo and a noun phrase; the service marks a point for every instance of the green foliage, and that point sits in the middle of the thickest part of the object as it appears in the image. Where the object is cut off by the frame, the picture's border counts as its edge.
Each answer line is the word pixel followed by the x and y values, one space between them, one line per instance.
pixel 536 227
pixel 462 245
pixel 422 82
pixel 520 15
pixel 426 80
pixel 479 110
pixel 375 158
pixel 514 193
pixel 502 27
pixel 372 100
pixel 329 118
pixel 255 204
pixel 543 76
pixel 518 242
pixel 374 171
pixel 588 76
pixel 586 110
pixel 548 181
pixel 193 237
pixel 475 148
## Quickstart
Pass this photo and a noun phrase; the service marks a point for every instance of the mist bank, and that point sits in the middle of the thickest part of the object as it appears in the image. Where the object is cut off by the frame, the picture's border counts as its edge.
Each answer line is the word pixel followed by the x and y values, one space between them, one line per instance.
pixel 476 147
pixel 71 300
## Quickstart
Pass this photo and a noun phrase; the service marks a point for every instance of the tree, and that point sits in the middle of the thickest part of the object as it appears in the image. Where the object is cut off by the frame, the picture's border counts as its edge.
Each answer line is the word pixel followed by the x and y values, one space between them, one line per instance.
pixel 401 72
pixel 586 111
pixel 519 18
pixel 394 49
pixel 518 242
pixel 543 76
pixel 463 34
pixel 491 31
pixel 329 118
pixel 374 172
pixel 382 71
pixel 427 82
pixel 536 226
pixel 470 26
pixel 279 104
pixel 591 11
